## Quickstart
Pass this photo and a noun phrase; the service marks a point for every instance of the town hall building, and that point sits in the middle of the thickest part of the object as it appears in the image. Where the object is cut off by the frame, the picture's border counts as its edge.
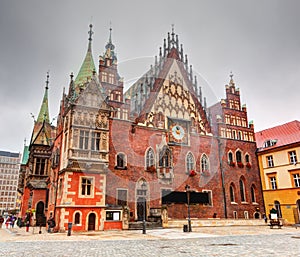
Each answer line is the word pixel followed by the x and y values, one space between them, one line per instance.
pixel 115 155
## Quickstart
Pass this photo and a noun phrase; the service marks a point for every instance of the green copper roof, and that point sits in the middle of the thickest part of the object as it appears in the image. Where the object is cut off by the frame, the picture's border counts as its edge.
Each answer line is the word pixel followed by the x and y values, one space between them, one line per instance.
pixel 44 111
pixel 88 66
pixel 25 154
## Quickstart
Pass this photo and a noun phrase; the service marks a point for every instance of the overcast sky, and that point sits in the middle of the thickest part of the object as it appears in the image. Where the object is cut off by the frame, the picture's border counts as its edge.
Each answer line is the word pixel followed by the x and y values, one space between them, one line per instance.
pixel 259 41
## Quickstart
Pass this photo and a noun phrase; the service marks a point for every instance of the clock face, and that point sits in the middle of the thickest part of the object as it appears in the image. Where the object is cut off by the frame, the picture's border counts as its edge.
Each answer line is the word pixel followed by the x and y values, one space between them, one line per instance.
pixel 178 132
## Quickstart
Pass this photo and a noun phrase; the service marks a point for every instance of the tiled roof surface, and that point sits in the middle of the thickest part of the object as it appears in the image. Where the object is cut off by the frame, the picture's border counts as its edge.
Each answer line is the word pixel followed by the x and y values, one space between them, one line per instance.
pixel 285 134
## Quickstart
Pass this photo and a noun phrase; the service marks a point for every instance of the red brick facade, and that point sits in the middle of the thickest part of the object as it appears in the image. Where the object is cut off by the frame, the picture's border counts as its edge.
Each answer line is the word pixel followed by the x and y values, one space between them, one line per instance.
pixel 118 153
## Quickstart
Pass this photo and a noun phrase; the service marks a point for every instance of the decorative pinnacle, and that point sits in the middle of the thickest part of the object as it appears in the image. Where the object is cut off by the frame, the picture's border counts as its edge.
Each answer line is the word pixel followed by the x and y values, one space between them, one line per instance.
pixel 231 75
pixel 110 30
pixel 90 32
pixel 47 81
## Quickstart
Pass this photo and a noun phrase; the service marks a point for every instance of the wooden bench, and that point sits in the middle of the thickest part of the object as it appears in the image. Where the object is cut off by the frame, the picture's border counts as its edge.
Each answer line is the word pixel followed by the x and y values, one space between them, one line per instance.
pixel 275 223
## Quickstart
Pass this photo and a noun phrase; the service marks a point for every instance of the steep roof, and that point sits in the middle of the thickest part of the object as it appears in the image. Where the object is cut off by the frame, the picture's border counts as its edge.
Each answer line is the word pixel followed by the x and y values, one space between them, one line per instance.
pixel 25 154
pixel 170 68
pixel 281 135
pixel 44 110
pixel 42 130
pixel 88 67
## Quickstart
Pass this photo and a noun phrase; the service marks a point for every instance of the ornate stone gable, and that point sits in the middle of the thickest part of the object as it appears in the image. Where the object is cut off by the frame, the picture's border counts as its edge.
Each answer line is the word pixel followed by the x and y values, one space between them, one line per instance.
pixel 176 100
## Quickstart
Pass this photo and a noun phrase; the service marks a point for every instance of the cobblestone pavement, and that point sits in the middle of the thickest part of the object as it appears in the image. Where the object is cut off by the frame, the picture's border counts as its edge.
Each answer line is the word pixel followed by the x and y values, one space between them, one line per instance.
pixel 204 241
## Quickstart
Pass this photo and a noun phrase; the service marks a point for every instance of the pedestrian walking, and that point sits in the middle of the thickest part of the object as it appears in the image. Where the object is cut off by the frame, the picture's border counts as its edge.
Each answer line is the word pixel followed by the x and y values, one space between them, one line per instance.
pixel 1 221
pixel 7 222
pixel 50 223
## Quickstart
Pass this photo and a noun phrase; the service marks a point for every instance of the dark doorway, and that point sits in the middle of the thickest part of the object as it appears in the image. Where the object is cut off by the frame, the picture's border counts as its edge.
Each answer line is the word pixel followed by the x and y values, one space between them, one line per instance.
pixel 141 210
pixel 92 221
pixel 297 212
pixel 40 216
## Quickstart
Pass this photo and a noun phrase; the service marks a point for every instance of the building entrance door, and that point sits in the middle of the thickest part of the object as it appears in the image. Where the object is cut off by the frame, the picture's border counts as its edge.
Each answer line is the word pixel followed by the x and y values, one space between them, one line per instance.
pixel 141 211
pixel 92 221
pixel 40 216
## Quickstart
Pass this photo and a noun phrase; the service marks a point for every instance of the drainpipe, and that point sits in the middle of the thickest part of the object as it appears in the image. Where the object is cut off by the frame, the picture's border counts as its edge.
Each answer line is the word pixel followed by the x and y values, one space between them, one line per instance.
pixel 221 169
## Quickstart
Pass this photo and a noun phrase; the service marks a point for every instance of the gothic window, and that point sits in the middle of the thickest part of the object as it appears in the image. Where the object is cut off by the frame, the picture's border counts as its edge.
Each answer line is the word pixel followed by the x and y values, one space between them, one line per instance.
pixel 238 156
pixel 121 197
pixel 233 134
pixel 150 160
pixel 204 163
pixel 231 191
pixel 86 186
pixel 247 158
pixel 121 161
pixel 40 166
pixel 190 163
pixel 239 135
pixel 83 139
pixel 95 143
pixel 253 196
pixel 230 157
pixel 242 190
pixel 77 218
pixel 246 136
pixel 165 157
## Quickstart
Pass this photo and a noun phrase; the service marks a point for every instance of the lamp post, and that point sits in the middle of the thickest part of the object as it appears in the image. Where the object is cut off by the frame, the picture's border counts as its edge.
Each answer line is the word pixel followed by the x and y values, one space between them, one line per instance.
pixel 188 194
pixel 144 190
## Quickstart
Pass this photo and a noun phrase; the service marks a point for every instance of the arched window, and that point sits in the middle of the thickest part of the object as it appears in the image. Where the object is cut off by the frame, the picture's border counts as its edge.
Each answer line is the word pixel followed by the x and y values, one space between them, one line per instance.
pixel 231 191
pixel 278 209
pixel 253 197
pixel 238 156
pixel 77 218
pixel 121 161
pixel 247 158
pixel 165 157
pixel 230 157
pixel 150 160
pixel 242 190
pixel 204 163
pixel 190 163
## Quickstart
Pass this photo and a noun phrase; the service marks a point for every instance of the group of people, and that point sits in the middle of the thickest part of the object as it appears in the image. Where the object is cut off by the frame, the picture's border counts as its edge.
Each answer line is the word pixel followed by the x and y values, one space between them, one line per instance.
pixel 9 221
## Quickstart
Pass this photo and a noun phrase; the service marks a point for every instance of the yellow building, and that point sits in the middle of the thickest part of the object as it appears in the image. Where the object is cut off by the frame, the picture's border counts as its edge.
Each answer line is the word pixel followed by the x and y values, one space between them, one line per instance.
pixel 278 155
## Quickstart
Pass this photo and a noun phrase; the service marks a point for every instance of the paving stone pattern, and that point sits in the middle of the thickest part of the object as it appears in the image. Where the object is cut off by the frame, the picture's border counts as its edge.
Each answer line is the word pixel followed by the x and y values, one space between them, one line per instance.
pixel 225 241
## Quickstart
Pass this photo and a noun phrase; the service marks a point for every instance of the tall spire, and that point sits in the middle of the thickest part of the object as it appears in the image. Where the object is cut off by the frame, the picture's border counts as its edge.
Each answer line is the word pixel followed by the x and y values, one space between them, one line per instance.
pixel 44 110
pixel 110 48
pixel 86 71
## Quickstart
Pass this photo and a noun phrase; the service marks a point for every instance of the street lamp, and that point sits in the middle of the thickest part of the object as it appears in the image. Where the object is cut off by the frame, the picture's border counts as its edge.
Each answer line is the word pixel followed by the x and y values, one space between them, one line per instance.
pixel 144 190
pixel 188 195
